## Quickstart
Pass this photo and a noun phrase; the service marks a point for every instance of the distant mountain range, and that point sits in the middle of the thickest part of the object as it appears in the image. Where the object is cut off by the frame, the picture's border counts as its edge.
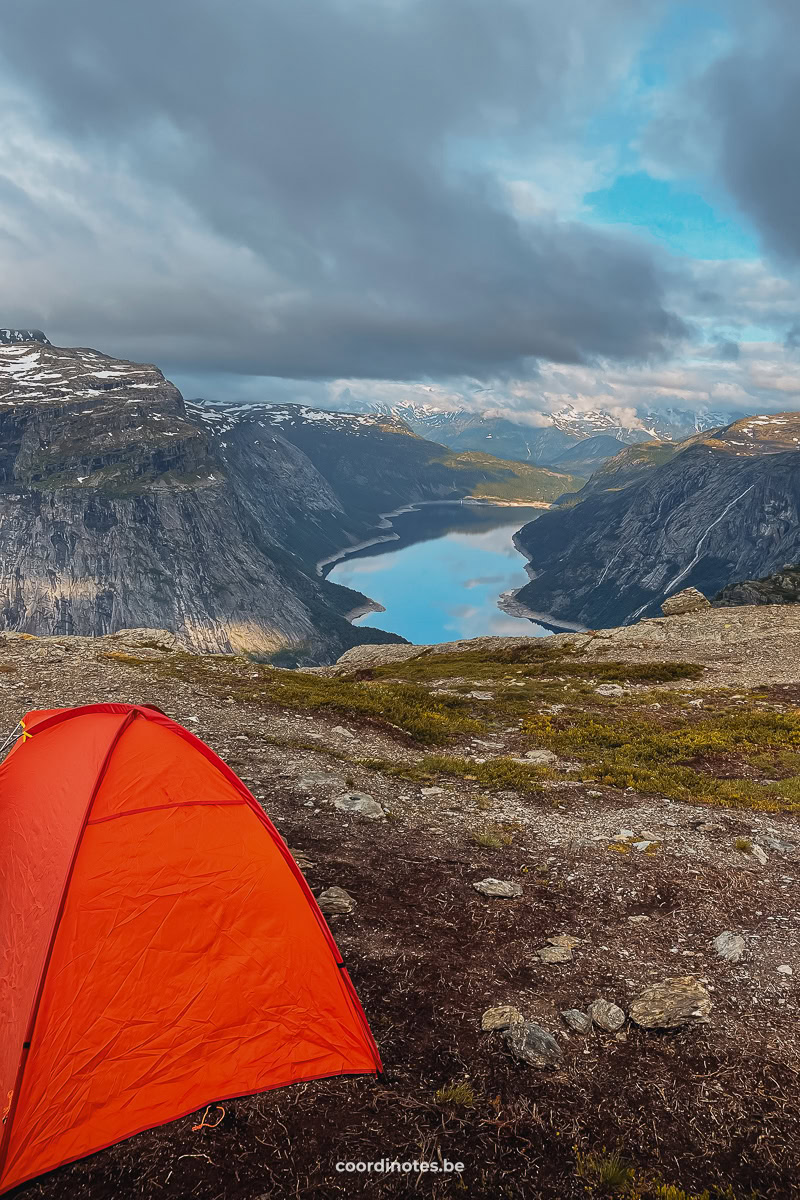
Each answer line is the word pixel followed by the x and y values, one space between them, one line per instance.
pixel 554 441
pixel 122 506
pixel 709 511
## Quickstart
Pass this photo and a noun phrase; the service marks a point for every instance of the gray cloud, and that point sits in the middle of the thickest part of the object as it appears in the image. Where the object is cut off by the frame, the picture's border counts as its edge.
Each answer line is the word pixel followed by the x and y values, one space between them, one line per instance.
pixel 736 122
pixel 309 188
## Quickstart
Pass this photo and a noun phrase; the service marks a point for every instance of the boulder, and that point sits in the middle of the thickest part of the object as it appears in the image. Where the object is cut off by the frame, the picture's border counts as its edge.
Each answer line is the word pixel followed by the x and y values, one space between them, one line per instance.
pixel 359 804
pixel 687 601
pixel 335 902
pixel 501 1017
pixel 606 1015
pixel 531 1044
pixel 578 1021
pixel 672 1003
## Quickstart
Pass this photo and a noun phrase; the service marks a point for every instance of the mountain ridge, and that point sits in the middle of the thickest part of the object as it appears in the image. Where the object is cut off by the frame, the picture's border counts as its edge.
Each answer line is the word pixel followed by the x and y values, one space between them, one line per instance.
pixel 717 508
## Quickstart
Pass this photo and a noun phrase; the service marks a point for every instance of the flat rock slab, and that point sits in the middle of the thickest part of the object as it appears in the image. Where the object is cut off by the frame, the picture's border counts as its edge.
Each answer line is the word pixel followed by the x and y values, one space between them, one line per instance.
pixel 335 902
pixel 501 1017
pixel 533 1045
pixel 504 889
pixel 564 939
pixel 606 1015
pixel 359 804
pixel 540 758
pixel 672 1003
pixel 301 858
pixel 729 945
pixel 554 954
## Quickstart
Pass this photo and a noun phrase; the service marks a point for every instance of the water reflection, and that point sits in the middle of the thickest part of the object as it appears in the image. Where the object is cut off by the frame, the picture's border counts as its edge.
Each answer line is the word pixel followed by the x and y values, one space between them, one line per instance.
pixel 441 577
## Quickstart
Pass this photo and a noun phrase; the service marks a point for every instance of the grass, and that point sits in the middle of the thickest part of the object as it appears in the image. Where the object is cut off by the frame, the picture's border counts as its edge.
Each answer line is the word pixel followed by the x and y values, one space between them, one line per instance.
pixel 536 661
pixel 609 1174
pixel 493 837
pixel 459 1095
pixel 401 706
pixel 718 755
pixel 640 753
pixel 499 773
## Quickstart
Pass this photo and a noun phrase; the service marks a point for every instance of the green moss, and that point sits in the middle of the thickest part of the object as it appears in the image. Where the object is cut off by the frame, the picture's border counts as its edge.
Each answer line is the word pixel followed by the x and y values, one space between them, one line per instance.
pixel 408 707
pixel 638 753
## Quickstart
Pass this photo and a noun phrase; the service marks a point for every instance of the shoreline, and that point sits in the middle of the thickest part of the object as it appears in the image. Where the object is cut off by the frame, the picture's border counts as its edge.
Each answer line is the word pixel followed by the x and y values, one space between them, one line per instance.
pixel 384 522
pixel 509 604
pixel 506 601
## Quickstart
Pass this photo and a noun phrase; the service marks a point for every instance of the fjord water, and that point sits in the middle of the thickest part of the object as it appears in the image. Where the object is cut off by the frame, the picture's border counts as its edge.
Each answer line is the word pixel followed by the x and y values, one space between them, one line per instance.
pixel 441 578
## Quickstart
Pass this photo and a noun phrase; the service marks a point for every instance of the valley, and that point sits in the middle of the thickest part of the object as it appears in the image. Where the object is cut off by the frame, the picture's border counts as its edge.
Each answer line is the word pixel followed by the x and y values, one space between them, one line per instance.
pixel 123 506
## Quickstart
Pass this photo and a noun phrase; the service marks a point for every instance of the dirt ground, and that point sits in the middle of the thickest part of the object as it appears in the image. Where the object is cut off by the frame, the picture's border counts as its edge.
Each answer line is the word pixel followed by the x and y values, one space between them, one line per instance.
pixel 711 1106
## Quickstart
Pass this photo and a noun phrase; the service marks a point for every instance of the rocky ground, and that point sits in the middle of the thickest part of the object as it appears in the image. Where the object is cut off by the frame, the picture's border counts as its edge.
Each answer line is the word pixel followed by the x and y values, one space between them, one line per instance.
pixel 633 813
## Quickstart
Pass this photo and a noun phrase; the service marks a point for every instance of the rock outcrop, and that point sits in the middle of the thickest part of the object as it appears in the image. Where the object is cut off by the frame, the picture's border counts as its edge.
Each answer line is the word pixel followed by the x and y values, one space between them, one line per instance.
pixel 781 588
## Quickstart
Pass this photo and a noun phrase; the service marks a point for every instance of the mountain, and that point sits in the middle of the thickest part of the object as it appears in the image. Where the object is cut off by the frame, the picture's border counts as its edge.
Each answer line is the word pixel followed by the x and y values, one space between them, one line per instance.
pixel 714 509
pixel 11 337
pixel 587 455
pixel 121 506
pixel 554 436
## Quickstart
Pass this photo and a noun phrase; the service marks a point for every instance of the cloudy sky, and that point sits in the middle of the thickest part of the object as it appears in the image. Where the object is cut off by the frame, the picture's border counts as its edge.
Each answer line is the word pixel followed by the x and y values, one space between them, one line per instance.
pixel 508 204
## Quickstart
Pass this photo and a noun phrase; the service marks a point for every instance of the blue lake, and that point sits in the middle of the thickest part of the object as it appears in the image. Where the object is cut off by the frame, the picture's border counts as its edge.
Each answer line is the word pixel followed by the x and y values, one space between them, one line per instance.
pixel 442 575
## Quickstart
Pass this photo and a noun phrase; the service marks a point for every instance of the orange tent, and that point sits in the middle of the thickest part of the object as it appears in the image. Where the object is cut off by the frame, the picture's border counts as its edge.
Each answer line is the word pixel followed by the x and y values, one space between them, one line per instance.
pixel 159 947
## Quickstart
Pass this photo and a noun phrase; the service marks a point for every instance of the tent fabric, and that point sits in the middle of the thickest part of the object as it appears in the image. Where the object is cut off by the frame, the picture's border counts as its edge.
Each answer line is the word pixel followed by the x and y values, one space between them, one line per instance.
pixel 159 948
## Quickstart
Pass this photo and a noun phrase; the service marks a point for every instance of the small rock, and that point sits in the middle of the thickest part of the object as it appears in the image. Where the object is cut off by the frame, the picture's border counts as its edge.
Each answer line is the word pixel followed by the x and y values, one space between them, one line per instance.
pixel 785 969
pixel 759 853
pixel 359 803
pixel 531 1044
pixel 301 858
pixel 577 1020
pixel 501 1017
pixel 779 846
pixel 340 729
pixel 482 695
pixel 708 827
pixel 606 1015
pixel 502 888
pixel 729 945
pixel 564 939
pixel 638 919
pixel 432 791
pixel 541 757
pixel 335 902
pixel 610 689
pixel 647 836
pixel 624 835
pixel 687 601
pixel 594 793
pixel 672 1003
pixel 554 954
pixel 642 846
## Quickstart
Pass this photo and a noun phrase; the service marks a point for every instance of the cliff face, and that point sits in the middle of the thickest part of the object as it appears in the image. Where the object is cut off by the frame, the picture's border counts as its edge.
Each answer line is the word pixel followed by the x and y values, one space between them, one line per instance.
pixel 716 509
pixel 122 506
pixel 118 508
